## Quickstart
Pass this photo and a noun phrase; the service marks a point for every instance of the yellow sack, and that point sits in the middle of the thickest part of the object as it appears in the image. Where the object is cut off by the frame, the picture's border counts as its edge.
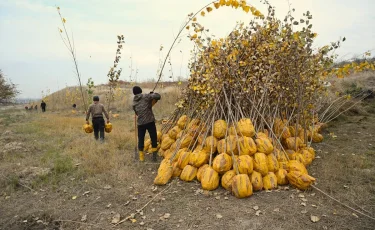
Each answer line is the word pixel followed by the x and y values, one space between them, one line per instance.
pixel 281 177
pixel 294 165
pixel 272 163
pixel 182 121
pixel 220 128
pixel 189 173
pixel 300 180
pixel 200 171
pixel 257 181
pixel 247 146
pixel 166 143
pixel 245 164
pixel 222 163
pixel 241 186
pixel 173 132
pixel 210 144
pixel 176 170
pixel 198 158
pixel 165 173
pixel 210 179
pixel 245 127
pixel 227 178
pixel 88 128
pixel 260 163
pixel 183 159
pixel 264 145
pixel 270 181
pixel 108 127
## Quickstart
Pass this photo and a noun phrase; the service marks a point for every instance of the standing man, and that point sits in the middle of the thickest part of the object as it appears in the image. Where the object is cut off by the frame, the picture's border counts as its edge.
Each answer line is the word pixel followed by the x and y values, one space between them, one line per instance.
pixel 96 111
pixel 142 106
pixel 43 106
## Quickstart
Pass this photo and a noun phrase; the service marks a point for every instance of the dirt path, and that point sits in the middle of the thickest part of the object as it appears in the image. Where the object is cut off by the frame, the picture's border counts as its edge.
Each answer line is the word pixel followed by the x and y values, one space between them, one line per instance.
pixel 345 169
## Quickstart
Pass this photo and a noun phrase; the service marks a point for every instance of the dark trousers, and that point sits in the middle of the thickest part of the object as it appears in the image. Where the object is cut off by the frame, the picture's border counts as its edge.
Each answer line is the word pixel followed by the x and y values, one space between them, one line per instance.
pixel 98 123
pixel 43 109
pixel 151 128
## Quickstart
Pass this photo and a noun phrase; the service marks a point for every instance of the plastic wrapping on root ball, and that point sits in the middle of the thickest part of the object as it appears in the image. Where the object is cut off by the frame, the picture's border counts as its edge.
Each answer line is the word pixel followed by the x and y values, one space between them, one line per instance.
pixel 260 163
pixel 189 173
pixel 227 178
pixel 108 127
pixel 264 145
pixel 281 177
pixel 210 179
pixel 220 128
pixel 88 128
pixel 294 165
pixel 198 158
pixel 222 163
pixel 257 181
pixel 200 171
pixel 245 127
pixel 300 180
pixel 272 163
pixel 245 164
pixel 165 173
pixel 184 159
pixel 247 146
pixel 270 181
pixel 241 186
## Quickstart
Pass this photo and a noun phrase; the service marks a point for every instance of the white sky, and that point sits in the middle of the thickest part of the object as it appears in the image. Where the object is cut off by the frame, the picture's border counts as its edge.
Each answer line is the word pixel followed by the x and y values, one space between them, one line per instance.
pixel 33 56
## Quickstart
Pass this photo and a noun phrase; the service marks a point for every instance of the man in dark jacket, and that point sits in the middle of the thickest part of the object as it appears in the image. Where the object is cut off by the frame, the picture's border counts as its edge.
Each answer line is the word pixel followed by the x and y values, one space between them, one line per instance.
pixel 43 106
pixel 142 106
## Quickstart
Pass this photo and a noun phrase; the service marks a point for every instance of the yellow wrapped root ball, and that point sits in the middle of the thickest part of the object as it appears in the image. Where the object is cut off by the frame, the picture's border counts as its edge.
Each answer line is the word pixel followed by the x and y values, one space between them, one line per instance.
pixel 173 132
pixel 189 173
pixel 264 145
pixel 227 178
pixel 300 180
pixel 281 177
pixel 260 163
pixel 176 170
pixel 159 135
pixel 210 179
pixel 245 164
pixel 184 159
pixel 186 141
pixel 270 181
pixel 108 127
pixel 220 128
pixel 165 173
pixel 232 130
pixel 245 127
pixel 247 146
pixel 272 163
pixel 294 143
pixel 210 144
pixel 294 165
pixel 241 186
pixel 228 145
pixel 88 128
pixel 200 171
pixel 166 143
pixel 257 181
pixel 317 137
pixel 222 163
pixel 198 158
pixel 182 121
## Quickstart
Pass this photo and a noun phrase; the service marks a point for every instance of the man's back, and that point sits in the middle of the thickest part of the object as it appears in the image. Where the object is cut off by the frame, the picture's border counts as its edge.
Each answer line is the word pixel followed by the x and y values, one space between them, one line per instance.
pixel 142 105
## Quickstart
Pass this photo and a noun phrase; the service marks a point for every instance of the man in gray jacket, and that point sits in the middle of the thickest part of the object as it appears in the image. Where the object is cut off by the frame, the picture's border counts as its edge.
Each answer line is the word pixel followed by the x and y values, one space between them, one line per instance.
pixel 142 106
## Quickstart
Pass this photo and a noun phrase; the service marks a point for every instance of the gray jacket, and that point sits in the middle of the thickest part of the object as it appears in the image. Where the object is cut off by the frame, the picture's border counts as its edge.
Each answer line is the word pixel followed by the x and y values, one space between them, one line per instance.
pixel 142 106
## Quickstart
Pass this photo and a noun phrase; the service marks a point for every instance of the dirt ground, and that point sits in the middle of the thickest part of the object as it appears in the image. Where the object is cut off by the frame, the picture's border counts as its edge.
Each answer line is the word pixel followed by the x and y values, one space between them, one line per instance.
pixel 30 198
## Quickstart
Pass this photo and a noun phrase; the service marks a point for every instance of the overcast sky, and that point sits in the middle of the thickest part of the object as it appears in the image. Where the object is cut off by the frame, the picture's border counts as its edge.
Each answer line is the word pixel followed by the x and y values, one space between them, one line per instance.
pixel 33 56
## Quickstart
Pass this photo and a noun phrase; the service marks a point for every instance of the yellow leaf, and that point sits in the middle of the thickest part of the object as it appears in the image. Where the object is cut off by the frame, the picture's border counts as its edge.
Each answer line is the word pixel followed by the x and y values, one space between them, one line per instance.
pixel 315 35
pixel 203 13
pixel 194 19
pixel 179 82
pixel 222 2
pixel 60 30
pixel 74 197
pixel 209 9
pixel 246 8
pixel 133 220
pixel 188 27
pixel 217 5
pixel 194 36
pixel 58 8
pixel 64 20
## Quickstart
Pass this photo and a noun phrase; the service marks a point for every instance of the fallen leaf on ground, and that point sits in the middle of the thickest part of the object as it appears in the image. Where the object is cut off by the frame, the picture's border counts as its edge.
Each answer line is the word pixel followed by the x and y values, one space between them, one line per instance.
pixel 219 216
pixel 355 215
pixel 107 187
pixel 133 220
pixel 314 218
pixel 256 207
pixel 258 213
pixel 84 218
pixel 304 211
pixel 115 218
pixel 276 210
pixel 74 197
pixel 166 215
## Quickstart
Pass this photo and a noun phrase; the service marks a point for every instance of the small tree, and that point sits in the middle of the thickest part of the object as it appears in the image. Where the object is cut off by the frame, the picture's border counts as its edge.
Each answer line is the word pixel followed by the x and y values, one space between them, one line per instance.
pixel 8 90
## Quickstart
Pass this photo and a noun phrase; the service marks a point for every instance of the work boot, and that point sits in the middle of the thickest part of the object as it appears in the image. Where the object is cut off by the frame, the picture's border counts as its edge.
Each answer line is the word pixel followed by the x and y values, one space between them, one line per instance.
pixel 141 156
pixel 154 154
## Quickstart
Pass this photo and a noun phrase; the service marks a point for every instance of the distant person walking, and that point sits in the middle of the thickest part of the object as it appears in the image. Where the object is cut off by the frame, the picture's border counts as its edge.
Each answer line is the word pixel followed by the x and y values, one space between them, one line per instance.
pixel 43 106
pixel 36 107
pixel 96 111
pixel 142 106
